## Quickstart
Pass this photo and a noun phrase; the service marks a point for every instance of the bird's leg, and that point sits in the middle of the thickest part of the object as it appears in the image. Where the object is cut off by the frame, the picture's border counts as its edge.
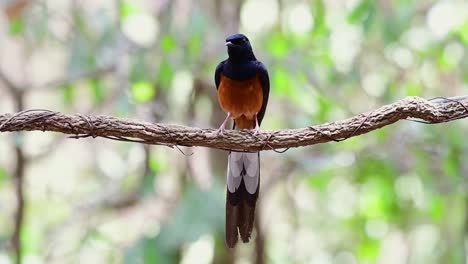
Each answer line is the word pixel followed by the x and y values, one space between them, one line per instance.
pixel 257 126
pixel 223 125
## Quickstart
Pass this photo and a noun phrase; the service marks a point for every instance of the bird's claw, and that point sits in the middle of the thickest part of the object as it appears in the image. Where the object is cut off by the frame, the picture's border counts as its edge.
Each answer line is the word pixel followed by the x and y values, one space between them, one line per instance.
pixel 220 131
pixel 256 131
pixel 257 127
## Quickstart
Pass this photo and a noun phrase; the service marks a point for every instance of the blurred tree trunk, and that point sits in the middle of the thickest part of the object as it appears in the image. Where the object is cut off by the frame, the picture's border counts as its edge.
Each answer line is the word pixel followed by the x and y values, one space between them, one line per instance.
pixel 21 161
pixel 260 240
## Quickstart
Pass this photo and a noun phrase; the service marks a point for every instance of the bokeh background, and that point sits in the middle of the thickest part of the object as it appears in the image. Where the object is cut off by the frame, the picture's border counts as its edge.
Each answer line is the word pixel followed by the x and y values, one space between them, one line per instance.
pixel 396 195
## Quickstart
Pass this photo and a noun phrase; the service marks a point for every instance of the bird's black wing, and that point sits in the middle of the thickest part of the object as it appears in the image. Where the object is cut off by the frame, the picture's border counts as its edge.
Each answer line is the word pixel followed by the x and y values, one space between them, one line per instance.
pixel 265 82
pixel 218 71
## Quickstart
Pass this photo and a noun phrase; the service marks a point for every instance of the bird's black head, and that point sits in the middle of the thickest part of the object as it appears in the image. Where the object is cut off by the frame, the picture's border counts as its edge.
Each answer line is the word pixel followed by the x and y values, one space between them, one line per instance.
pixel 239 48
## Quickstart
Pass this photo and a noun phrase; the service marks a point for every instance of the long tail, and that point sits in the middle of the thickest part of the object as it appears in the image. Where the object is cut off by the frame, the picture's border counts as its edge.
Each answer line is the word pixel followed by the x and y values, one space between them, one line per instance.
pixel 243 184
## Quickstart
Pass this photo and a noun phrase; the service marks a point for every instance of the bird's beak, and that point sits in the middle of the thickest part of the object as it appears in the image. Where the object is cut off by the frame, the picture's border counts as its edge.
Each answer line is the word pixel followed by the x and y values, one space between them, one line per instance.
pixel 229 44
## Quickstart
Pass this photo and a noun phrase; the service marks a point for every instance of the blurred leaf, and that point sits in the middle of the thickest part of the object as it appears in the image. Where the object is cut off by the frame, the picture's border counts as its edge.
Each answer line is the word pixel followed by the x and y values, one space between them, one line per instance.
pixel 146 251
pixel 452 163
pixel 97 90
pixel 372 164
pixel 147 187
pixel 320 25
pixel 168 43
pixel 68 92
pixel 278 45
pixel 3 175
pixel 413 89
pixel 361 12
pixel 437 208
pixel 325 105
pixel 281 83
pixel 422 161
pixel 373 201
pixel 31 236
pixel 382 135
pixel 128 8
pixel 445 64
pixel 16 25
pixel 368 251
pixel 463 32
pixel 158 162
pixel 321 179
pixel 80 23
pixel 165 74
pixel 143 91
pixel 393 28
pixel 378 199
pixel 194 45
pixel 327 60
pixel 150 254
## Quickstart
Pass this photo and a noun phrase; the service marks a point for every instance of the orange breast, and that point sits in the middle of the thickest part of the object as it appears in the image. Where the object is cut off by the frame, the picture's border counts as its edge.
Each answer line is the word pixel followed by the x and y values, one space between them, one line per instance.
pixel 243 99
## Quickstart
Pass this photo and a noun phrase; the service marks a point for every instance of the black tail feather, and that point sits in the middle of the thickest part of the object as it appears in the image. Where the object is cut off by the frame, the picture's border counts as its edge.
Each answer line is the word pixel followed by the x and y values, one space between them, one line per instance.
pixel 240 214
pixel 246 224
pixel 232 235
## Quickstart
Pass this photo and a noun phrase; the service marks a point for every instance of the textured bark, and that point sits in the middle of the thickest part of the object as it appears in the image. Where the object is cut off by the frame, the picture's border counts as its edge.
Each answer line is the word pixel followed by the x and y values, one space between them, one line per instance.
pixel 429 111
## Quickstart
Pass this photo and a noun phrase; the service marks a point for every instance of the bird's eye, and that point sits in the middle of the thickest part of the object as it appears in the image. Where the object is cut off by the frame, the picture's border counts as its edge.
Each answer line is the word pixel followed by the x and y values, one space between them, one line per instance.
pixel 244 39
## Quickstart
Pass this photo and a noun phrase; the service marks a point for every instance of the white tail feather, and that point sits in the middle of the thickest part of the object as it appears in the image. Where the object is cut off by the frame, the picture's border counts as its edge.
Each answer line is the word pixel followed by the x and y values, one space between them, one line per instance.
pixel 246 165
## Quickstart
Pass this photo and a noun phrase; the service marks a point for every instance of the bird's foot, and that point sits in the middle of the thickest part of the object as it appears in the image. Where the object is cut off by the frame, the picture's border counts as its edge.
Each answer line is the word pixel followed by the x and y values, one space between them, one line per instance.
pixel 256 130
pixel 220 130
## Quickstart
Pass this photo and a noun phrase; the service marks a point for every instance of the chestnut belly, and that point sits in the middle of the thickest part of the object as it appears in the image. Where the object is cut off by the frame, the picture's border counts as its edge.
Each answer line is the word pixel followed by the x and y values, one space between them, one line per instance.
pixel 243 99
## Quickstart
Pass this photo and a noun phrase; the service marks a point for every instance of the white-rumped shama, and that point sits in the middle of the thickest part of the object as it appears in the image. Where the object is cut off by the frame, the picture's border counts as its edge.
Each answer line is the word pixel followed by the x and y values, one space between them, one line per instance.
pixel 243 87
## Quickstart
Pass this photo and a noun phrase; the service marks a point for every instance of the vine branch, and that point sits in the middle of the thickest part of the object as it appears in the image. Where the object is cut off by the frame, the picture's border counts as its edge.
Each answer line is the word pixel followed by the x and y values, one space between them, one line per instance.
pixel 437 110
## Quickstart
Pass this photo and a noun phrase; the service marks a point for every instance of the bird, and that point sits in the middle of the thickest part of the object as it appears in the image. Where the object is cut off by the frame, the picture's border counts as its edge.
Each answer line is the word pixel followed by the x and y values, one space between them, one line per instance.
pixel 243 87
